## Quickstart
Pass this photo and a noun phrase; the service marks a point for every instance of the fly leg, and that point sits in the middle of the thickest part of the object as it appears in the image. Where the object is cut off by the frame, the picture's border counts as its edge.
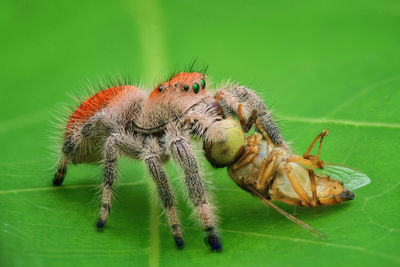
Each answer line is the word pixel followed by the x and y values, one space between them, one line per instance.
pixel 249 154
pixel 319 162
pixel 313 185
pixel 312 162
pixel 246 126
pixel 315 160
pixel 303 225
pixel 298 188
pixel 266 172
pixel 246 158
pixel 253 119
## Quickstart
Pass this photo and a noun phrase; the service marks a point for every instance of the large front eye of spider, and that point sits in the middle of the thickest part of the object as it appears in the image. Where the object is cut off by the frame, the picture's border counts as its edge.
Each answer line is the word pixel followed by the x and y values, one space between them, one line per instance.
pixel 202 84
pixel 160 88
pixel 196 88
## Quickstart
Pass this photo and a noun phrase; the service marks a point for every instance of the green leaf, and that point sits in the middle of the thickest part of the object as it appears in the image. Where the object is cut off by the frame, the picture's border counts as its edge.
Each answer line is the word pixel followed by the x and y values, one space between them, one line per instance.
pixel 316 64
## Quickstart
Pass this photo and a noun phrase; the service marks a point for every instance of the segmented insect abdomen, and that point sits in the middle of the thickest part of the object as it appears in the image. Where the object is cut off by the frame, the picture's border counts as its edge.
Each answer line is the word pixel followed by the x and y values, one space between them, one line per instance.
pixel 94 103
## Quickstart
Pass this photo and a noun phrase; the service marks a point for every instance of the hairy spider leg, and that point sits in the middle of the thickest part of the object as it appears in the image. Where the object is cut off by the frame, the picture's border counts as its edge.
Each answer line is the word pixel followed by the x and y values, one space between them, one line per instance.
pixel 153 161
pixel 109 176
pixel 68 147
pixel 180 150
pixel 233 96
pixel 125 144
pixel 61 170
pixel 81 123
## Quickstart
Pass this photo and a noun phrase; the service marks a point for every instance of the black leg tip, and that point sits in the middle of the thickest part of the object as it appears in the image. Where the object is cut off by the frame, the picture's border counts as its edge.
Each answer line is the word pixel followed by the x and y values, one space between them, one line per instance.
pixel 100 224
pixel 213 242
pixel 59 176
pixel 178 242
pixel 57 181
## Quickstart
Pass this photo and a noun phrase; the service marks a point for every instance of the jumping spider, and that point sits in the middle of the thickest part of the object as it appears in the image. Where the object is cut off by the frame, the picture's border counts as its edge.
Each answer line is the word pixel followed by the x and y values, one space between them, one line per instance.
pixel 126 121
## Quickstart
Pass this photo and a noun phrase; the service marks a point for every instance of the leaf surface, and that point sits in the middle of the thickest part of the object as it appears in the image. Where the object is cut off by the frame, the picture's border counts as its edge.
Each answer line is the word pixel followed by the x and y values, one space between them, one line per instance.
pixel 317 65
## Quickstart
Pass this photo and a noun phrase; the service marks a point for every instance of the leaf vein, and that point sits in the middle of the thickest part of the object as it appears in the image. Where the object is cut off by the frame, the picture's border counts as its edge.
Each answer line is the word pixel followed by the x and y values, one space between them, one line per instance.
pixel 360 249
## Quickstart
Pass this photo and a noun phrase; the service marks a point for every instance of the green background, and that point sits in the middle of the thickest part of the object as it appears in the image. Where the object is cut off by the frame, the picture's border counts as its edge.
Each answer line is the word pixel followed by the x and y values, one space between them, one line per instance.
pixel 316 64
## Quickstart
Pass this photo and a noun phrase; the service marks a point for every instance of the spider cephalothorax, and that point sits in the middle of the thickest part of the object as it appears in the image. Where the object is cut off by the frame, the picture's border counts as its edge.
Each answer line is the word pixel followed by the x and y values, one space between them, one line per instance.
pixel 153 127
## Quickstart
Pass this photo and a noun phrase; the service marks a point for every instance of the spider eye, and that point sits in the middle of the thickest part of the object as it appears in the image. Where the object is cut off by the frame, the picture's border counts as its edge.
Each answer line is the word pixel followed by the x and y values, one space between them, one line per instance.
pixel 196 88
pixel 186 87
pixel 202 83
pixel 160 88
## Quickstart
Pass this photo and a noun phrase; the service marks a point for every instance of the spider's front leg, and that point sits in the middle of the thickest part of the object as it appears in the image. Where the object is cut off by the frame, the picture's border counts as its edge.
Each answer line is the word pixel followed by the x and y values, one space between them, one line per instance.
pixel 230 100
pixel 204 123
pixel 180 149
pixel 152 158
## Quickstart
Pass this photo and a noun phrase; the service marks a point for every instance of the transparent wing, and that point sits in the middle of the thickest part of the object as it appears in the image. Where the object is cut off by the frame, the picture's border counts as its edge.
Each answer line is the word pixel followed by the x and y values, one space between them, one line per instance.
pixel 351 178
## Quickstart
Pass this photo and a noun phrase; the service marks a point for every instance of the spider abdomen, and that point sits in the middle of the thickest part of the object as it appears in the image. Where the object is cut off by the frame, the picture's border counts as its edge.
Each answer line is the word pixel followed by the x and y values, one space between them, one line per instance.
pixel 93 104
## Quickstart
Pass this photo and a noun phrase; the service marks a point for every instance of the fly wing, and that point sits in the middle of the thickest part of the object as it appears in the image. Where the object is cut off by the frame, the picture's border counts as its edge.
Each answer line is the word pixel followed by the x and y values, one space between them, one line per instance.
pixel 351 178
